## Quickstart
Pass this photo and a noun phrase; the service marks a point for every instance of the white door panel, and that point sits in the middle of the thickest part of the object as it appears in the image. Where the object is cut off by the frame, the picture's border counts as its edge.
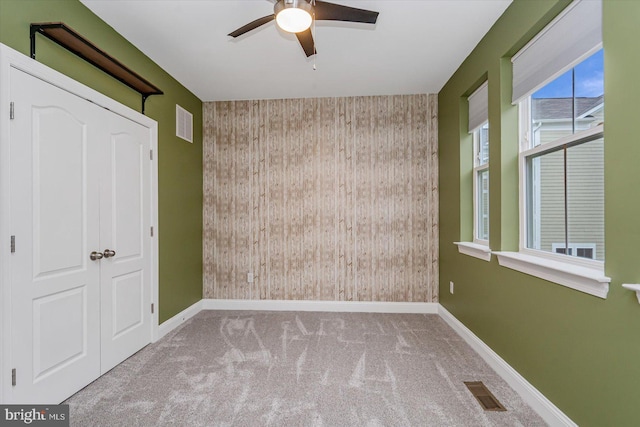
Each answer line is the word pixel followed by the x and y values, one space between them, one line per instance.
pixel 59 216
pixel 125 223
pixel 55 218
pixel 127 295
pixel 127 192
pixel 60 335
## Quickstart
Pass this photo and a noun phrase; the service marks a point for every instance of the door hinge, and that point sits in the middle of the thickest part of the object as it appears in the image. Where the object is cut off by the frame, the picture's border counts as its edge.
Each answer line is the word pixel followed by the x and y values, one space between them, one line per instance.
pixel 151 308
pixel 13 377
pixel 151 231
pixel 11 111
pixel 13 244
pixel 150 154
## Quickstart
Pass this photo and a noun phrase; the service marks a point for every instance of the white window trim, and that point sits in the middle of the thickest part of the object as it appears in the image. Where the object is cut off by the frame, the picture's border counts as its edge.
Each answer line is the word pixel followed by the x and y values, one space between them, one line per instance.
pixel 591 281
pixel 475 250
pixel 580 135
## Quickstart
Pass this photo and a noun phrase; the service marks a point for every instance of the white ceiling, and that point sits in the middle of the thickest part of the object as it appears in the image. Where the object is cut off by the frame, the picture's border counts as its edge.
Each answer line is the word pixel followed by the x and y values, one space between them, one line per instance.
pixel 415 46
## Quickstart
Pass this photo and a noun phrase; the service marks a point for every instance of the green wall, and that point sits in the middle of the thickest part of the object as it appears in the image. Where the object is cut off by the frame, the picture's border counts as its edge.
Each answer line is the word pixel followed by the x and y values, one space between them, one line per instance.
pixel 580 351
pixel 179 162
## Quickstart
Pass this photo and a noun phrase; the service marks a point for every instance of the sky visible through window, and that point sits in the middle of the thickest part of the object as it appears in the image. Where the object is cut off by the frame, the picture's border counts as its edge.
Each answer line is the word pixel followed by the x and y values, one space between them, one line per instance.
pixel 589 80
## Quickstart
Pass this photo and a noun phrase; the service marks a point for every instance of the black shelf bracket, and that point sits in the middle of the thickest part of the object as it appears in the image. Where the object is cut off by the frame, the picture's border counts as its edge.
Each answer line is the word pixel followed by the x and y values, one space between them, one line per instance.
pixel 64 36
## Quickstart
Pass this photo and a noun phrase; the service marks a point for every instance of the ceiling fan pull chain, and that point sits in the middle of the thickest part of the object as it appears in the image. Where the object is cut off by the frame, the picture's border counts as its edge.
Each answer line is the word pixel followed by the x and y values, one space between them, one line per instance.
pixel 315 35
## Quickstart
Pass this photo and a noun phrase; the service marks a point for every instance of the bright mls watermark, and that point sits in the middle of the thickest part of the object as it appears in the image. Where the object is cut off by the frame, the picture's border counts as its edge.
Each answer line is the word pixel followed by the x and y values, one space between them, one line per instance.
pixel 34 415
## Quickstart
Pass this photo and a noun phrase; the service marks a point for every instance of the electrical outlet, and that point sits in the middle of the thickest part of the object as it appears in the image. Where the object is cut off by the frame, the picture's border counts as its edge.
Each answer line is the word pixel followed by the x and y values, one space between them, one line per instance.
pixel 451 287
pixel 249 277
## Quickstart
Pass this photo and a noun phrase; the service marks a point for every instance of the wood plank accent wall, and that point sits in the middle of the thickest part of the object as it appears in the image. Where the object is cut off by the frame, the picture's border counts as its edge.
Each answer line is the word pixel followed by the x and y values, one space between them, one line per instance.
pixel 322 199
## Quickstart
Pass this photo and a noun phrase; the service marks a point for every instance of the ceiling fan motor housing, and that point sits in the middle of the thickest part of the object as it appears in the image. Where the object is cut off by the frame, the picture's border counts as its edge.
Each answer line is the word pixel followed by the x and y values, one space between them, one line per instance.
pixel 293 16
pixel 298 4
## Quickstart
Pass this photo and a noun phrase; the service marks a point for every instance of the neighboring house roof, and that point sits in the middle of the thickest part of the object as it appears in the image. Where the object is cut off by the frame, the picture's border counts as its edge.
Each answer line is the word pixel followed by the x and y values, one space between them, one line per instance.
pixel 561 108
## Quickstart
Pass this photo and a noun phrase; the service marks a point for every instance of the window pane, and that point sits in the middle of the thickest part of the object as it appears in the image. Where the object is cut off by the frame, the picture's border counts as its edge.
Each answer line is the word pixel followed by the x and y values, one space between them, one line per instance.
pixel 482 210
pixel 585 197
pixel 589 81
pixel 552 111
pixel 571 103
pixel 483 145
pixel 545 204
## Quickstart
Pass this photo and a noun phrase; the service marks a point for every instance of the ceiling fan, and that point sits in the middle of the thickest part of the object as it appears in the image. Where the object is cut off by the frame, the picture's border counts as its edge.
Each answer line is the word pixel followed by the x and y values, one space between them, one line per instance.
pixel 296 16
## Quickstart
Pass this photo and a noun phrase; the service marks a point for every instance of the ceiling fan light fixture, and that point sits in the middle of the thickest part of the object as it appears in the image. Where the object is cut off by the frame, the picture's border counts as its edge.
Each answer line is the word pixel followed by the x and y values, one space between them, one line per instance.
pixel 293 16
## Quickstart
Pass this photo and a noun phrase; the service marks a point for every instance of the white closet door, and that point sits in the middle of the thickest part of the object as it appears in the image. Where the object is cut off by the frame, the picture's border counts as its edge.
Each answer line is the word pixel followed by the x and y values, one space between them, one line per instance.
pixel 54 216
pixel 80 184
pixel 125 229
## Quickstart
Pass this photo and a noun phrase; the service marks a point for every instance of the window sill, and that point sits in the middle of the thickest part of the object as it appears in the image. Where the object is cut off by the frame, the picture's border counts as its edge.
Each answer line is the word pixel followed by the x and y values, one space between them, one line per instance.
pixel 584 279
pixel 474 249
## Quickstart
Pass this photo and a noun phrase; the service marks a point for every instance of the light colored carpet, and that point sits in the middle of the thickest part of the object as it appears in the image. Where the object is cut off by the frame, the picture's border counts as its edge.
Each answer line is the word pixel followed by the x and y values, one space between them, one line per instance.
pixel 246 368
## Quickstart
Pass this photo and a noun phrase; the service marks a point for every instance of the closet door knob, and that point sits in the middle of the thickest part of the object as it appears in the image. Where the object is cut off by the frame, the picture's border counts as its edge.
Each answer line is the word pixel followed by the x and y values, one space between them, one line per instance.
pixel 108 253
pixel 95 256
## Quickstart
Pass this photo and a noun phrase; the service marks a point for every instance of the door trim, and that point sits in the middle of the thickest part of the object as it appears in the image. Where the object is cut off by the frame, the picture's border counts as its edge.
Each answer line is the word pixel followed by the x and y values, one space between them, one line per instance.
pixel 10 58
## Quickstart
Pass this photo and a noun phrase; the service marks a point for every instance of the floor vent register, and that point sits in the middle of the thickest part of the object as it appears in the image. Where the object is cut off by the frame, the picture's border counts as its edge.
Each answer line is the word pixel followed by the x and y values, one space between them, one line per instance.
pixel 484 396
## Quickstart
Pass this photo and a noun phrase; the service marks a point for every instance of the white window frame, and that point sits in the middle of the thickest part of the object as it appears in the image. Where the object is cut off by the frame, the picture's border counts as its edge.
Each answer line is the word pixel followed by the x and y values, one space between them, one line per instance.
pixel 574 35
pixel 584 275
pixel 478 117
pixel 525 153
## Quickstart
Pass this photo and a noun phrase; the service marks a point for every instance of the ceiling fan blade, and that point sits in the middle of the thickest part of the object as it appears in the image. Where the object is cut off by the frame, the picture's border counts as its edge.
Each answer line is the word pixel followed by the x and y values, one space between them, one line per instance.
pixel 326 11
pixel 306 41
pixel 252 25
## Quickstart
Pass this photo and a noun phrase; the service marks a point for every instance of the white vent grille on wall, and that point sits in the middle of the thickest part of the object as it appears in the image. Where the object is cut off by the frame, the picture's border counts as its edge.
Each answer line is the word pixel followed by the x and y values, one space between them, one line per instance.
pixel 184 124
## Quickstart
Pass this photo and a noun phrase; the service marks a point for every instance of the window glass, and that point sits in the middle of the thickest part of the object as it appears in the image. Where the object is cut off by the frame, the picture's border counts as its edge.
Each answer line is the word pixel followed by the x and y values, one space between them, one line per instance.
pixel 564 183
pixel 482 150
pixel 585 195
pixel 571 103
pixel 482 197
pixel 589 88
pixel 545 210
pixel 481 184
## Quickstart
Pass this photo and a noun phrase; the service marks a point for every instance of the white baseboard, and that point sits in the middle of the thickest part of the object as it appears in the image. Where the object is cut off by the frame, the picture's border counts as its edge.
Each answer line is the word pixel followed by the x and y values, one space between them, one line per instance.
pixel 336 306
pixel 177 320
pixel 543 406
pixel 280 305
